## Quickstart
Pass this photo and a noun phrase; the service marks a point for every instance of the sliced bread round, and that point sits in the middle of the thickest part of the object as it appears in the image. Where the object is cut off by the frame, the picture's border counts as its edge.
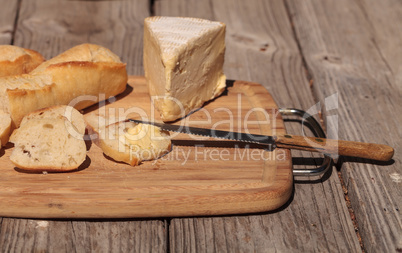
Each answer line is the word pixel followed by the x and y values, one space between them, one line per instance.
pixel 49 141
pixel 46 145
pixel 71 114
pixel 128 142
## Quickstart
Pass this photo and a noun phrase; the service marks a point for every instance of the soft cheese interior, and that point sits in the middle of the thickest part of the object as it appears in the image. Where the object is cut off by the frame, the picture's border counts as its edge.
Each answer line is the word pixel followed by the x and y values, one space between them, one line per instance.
pixel 183 62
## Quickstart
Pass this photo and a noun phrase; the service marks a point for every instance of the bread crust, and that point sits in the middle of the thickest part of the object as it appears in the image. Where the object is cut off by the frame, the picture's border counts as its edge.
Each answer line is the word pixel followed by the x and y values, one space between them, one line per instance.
pixel 14 60
pixel 96 74
pixel 17 60
pixel 118 156
pixel 5 128
pixel 109 151
pixel 70 81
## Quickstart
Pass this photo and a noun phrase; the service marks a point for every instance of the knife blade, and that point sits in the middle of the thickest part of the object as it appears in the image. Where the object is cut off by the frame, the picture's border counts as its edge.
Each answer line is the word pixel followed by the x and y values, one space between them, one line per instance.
pixel 370 151
pixel 214 133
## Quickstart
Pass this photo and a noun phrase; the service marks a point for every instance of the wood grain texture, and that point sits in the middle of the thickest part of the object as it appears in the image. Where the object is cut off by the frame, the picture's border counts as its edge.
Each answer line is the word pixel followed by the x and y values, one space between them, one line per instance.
pixel 25 235
pixel 383 19
pixel 53 27
pixel 261 48
pixel 50 27
pixel 352 50
pixel 8 14
pixel 374 151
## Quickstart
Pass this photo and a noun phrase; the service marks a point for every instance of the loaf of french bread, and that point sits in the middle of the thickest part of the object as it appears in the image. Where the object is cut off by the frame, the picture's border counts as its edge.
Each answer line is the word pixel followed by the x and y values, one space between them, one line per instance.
pixel 16 60
pixel 49 140
pixel 80 77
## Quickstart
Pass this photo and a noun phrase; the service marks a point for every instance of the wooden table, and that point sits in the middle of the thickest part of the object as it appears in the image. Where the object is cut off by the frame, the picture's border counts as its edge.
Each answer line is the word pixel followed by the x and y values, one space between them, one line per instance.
pixel 338 59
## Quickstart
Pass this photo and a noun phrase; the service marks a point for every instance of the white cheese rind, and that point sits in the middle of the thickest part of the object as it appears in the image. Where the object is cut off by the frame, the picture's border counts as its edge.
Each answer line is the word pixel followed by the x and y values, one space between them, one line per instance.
pixel 183 63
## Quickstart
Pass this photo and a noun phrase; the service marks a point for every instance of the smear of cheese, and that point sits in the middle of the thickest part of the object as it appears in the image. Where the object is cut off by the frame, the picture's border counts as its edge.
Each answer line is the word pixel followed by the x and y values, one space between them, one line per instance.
pixel 183 63
pixel 143 136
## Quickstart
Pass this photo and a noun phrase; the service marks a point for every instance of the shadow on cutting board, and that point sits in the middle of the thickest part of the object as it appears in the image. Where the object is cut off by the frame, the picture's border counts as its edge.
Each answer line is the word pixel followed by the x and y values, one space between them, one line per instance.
pixel 83 166
pixel 110 100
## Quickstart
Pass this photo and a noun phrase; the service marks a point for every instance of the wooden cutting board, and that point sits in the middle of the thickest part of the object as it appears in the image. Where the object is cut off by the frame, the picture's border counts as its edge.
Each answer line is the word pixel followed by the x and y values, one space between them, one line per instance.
pixel 200 176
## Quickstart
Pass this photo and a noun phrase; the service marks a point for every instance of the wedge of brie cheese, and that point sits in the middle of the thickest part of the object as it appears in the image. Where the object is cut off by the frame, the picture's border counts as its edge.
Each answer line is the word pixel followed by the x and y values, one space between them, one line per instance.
pixel 183 63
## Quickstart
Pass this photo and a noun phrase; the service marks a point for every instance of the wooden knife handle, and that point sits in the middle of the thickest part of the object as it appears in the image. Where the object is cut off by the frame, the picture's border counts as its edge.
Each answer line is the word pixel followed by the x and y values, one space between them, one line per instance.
pixel 372 151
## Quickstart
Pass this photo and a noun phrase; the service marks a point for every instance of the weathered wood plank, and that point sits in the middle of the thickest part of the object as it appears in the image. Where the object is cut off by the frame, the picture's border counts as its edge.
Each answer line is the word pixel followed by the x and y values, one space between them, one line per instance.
pixel 261 48
pixel 51 27
pixel 120 236
pixel 384 20
pixel 353 49
pixel 8 13
pixel 23 235
pixel 55 26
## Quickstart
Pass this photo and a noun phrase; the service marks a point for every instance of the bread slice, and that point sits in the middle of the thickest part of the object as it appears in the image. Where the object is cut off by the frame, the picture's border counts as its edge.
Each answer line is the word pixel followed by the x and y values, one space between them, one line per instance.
pixel 48 141
pixel 16 60
pixel 126 141
pixel 71 114
pixel 80 77
pixel 5 128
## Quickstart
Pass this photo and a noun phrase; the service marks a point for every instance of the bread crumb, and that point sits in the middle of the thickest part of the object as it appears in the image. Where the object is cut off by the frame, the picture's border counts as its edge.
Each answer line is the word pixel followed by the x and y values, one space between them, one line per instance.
pixel 396 177
pixel 42 224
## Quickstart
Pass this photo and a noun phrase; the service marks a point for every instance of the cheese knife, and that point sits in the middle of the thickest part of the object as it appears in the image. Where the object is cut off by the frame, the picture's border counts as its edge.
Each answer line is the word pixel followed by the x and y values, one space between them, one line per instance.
pixel 371 151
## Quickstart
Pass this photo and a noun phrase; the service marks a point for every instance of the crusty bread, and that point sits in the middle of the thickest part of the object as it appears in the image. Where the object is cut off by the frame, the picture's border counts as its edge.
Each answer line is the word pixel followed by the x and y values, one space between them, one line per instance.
pixel 126 141
pixel 80 77
pixel 16 60
pixel 81 53
pixel 5 128
pixel 48 141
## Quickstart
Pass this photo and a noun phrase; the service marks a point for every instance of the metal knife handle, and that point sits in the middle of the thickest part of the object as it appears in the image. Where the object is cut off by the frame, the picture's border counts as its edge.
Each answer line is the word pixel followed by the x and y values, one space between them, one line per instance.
pixel 372 151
